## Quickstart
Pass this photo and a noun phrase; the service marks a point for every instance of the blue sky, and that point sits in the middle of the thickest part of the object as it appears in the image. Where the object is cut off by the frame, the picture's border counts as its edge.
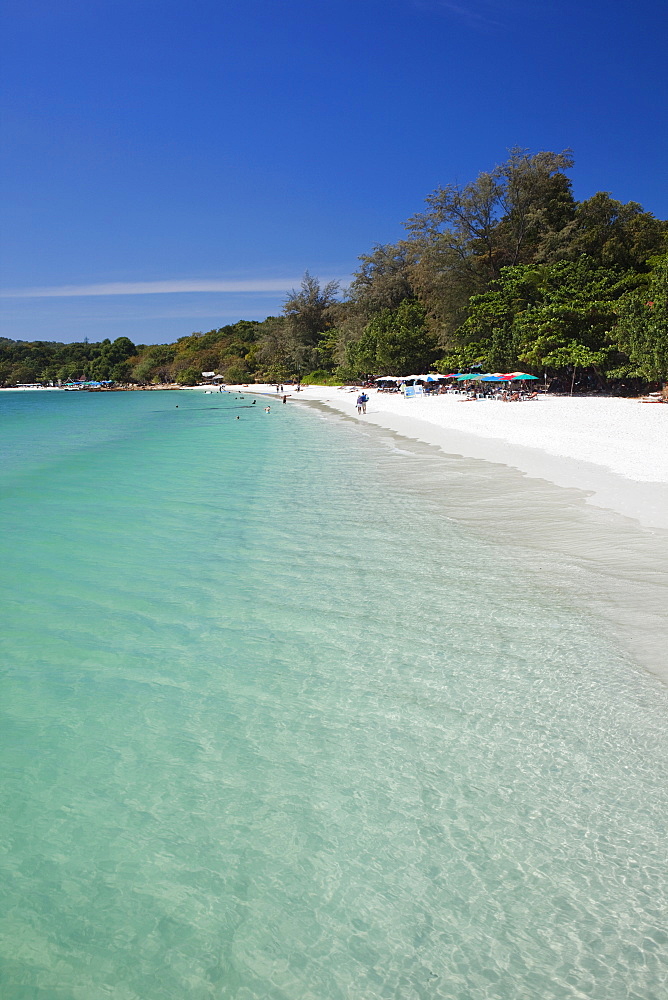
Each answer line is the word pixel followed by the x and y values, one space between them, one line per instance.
pixel 171 166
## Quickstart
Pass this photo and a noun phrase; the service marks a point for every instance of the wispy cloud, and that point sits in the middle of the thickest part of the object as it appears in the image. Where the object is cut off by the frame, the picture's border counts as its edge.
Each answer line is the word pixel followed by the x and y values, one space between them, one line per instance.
pixel 482 14
pixel 255 286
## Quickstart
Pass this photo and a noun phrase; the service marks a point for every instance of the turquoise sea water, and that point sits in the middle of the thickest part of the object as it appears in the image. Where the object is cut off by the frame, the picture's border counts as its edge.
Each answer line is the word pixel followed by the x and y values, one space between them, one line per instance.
pixel 276 725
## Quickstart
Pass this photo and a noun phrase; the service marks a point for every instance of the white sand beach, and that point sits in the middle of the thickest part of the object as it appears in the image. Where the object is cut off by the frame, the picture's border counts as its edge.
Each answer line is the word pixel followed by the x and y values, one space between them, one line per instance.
pixel 616 450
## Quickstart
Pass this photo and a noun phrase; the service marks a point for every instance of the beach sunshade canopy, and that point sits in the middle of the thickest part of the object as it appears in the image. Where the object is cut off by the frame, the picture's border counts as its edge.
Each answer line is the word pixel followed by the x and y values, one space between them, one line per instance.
pixel 494 378
pixel 388 378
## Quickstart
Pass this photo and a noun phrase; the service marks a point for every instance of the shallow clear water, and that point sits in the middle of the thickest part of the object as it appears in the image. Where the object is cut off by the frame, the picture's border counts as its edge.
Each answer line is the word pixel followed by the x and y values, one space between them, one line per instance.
pixel 275 724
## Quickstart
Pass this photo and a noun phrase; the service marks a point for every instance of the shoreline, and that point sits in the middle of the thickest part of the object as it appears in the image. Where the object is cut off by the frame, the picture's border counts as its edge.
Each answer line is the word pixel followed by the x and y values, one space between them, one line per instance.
pixel 119 388
pixel 615 451
pixel 599 537
pixel 604 548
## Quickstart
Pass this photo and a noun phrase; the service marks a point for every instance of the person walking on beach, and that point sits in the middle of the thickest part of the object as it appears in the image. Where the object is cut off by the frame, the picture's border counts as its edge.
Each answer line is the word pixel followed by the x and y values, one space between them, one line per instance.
pixel 285 399
pixel 365 400
pixel 360 402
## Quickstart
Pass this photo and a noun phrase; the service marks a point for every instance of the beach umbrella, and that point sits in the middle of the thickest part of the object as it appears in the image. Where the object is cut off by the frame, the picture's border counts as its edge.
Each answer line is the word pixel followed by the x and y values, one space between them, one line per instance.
pixel 434 377
pixel 493 378
pixel 470 377
pixel 522 376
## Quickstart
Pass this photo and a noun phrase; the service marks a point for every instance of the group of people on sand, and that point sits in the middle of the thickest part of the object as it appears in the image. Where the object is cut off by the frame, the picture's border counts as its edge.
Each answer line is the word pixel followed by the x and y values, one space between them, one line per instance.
pixel 506 395
pixel 279 387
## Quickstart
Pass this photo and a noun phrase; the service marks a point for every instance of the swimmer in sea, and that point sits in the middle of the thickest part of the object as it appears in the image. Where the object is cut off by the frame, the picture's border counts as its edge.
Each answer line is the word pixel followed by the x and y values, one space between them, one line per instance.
pixel 267 409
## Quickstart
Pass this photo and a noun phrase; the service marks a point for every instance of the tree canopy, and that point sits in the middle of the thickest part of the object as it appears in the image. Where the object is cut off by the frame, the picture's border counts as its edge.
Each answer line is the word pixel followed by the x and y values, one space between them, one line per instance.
pixel 507 270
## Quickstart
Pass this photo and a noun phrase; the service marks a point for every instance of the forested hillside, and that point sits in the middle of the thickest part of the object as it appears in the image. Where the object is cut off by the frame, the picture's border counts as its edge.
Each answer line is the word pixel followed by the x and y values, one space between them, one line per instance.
pixel 507 271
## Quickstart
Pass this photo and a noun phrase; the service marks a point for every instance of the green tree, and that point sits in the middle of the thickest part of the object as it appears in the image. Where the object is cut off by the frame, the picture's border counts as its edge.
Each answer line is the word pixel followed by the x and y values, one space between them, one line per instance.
pixel 278 372
pixel 642 329
pixel 395 342
pixel 549 316
pixel 155 364
pixel 383 279
pixel 498 220
pixel 189 376
pixel 615 234
pixel 468 234
pixel 307 310
pixel 279 348
pixel 237 372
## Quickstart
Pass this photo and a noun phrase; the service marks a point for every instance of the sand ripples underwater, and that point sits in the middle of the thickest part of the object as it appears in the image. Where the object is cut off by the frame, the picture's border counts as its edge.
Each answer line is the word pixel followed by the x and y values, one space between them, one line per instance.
pixel 276 725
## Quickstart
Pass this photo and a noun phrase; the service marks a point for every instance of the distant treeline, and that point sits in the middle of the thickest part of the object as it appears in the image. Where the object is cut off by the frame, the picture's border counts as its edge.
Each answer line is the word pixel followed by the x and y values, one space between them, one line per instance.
pixel 506 272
